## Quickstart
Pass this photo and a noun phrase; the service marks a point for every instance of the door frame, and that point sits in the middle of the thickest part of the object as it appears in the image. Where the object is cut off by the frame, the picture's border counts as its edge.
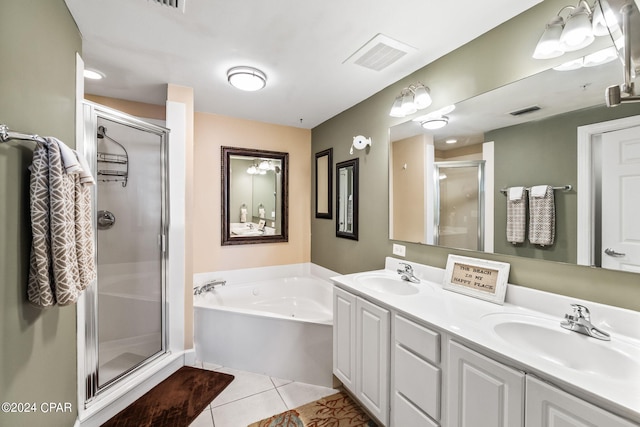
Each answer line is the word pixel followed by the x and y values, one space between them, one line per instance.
pixel 586 185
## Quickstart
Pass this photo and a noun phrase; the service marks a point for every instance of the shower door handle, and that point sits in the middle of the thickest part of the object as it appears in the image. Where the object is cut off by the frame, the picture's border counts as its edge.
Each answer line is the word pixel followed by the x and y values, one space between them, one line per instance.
pixel 105 220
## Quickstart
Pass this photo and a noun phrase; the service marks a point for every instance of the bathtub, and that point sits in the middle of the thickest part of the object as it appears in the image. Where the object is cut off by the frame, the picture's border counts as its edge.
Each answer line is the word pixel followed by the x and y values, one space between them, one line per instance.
pixel 275 321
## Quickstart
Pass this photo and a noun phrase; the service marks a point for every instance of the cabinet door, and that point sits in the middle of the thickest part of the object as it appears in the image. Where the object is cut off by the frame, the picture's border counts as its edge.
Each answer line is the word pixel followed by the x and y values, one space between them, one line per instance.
pixel 372 358
pixel 482 392
pixel 548 406
pixel 344 337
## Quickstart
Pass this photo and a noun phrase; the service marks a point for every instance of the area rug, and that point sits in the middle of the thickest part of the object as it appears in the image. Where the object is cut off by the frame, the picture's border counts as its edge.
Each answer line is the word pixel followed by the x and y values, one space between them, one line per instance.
pixel 337 410
pixel 175 402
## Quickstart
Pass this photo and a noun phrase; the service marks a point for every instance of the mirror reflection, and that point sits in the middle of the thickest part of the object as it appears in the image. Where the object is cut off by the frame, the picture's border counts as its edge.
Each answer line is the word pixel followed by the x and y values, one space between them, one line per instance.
pixel 347 199
pixel 254 189
pixel 526 135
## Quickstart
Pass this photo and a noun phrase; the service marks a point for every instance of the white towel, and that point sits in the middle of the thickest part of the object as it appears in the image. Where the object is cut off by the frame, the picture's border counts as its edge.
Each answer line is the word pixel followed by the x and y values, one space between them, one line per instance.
pixel 261 212
pixel 516 215
pixel 243 215
pixel 542 215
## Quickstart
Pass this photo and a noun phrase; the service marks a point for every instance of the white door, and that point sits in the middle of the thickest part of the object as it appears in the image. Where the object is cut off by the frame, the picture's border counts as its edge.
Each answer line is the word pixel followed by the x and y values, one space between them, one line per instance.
pixel 372 358
pixel 621 200
pixel 548 406
pixel 344 331
pixel 482 392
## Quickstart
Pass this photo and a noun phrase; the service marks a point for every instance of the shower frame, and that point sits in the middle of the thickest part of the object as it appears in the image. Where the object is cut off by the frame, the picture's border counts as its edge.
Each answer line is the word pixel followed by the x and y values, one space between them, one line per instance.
pixel 91 113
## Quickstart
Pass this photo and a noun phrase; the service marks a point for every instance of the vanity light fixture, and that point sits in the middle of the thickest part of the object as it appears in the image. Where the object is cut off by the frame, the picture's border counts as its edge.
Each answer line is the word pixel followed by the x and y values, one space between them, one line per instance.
pixel 246 78
pixel 582 25
pixel 411 99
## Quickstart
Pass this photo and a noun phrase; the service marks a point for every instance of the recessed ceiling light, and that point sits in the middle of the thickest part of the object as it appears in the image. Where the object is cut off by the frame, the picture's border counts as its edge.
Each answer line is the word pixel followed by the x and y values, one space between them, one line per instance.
pixel 451 141
pixel 247 78
pixel 93 74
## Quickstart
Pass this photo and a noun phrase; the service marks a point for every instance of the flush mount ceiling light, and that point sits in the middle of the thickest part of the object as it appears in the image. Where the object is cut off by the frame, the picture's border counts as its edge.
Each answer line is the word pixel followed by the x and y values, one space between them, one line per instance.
pixel 93 74
pixel 247 78
pixel 433 124
pixel 580 28
pixel 411 99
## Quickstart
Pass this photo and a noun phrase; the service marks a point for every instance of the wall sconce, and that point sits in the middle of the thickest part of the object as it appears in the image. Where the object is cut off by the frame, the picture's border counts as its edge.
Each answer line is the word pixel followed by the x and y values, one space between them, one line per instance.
pixel 582 25
pixel 411 99
pixel 360 143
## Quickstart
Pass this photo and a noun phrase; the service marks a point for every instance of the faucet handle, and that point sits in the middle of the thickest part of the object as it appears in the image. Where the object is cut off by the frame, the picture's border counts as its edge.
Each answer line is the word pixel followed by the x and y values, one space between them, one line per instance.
pixel 407 267
pixel 580 311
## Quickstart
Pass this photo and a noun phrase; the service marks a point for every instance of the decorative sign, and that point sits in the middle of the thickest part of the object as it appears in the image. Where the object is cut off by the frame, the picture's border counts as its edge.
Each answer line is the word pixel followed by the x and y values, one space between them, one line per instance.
pixel 477 278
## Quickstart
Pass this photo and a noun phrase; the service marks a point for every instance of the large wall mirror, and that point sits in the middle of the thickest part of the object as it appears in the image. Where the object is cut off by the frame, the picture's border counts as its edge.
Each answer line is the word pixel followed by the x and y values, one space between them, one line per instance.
pixel 254 196
pixel 526 134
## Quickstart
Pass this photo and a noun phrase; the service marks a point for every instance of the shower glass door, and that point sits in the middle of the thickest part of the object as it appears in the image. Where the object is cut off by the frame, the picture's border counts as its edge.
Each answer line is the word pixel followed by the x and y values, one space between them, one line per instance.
pixel 459 204
pixel 126 308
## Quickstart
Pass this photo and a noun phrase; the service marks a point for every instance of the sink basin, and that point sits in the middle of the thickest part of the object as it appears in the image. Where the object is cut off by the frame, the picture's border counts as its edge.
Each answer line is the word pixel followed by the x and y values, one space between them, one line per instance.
pixel 545 338
pixel 246 232
pixel 386 284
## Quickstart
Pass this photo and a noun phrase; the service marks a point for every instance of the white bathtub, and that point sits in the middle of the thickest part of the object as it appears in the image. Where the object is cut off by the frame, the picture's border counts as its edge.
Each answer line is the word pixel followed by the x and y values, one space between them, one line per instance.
pixel 275 321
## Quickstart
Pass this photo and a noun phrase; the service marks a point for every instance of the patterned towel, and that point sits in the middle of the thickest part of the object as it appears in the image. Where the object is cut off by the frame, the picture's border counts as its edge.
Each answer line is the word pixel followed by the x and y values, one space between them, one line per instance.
pixel 542 215
pixel 516 214
pixel 62 260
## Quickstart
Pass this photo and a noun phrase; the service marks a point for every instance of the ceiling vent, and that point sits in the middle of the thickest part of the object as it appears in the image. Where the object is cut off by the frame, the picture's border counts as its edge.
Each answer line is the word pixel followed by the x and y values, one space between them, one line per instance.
pixel 174 4
pixel 379 52
pixel 525 110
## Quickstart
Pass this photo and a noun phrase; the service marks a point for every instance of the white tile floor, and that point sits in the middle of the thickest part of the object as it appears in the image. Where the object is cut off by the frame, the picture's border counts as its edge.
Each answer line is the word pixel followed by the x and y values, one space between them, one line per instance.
pixel 252 397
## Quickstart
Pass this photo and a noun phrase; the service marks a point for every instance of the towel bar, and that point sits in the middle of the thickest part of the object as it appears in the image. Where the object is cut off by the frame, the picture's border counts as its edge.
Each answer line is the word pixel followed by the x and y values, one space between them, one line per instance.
pixel 567 187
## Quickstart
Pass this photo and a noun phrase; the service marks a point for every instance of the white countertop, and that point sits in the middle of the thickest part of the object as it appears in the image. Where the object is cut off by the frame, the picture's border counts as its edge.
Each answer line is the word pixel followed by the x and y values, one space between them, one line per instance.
pixel 472 320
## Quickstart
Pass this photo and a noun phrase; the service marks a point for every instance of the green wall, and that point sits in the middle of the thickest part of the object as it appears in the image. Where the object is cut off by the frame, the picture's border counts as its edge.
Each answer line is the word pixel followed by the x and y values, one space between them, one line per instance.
pixel 545 152
pixel 38 42
pixel 498 57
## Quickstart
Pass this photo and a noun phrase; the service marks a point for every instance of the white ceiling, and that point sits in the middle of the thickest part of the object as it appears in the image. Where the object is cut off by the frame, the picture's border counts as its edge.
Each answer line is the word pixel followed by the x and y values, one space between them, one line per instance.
pixel 301 45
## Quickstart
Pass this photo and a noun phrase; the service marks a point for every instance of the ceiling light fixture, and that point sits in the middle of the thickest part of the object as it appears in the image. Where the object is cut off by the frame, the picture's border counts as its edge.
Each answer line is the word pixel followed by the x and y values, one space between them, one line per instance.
pixel 433 124
pixel 411 99
pixel 93 74
pixel 247 78
pixel 580 28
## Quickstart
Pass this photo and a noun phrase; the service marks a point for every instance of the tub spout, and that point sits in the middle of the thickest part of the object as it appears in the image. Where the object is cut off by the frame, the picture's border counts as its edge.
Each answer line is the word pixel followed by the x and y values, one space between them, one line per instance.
pixel 208 286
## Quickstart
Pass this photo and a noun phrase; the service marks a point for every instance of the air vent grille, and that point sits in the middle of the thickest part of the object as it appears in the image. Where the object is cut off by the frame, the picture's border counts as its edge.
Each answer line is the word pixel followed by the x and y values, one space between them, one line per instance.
pixel 176 4
pixel 379 52
pixel 525 110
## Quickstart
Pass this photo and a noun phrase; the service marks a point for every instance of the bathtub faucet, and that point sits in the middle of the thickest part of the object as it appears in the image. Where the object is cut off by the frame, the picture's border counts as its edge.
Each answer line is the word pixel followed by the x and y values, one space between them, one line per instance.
pixel 208 286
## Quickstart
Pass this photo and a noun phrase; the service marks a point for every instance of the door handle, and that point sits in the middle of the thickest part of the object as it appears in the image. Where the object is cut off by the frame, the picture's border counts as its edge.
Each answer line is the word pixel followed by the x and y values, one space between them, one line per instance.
pixel 613 253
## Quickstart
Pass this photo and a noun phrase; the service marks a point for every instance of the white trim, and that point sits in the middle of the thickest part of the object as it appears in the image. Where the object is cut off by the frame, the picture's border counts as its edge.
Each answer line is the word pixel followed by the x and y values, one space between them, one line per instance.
pixel 488 150
pixel 585 185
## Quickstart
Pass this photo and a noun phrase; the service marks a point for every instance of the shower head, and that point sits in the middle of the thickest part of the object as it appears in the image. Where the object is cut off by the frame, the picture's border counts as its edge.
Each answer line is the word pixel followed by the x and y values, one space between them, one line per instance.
pixel 102 131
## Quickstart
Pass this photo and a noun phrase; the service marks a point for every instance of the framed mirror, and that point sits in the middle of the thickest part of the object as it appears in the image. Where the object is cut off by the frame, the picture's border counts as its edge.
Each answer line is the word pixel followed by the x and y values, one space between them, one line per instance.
pixel 347 199
pixel 324 184
pixel 254 196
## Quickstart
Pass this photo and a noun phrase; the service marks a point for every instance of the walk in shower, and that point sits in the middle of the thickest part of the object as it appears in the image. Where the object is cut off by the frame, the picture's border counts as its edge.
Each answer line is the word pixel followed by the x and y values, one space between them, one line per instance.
pixel 459 213
pixel 125 311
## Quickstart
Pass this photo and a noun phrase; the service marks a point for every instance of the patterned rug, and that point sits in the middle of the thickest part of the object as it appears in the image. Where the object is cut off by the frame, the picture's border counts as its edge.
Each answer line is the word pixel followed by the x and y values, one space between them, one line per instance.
pixel 175 402
pixel 337 410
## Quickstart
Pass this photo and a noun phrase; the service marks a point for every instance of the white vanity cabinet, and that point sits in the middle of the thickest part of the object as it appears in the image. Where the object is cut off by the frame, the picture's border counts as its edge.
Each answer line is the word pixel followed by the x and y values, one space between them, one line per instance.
pixel 548 406
pixel 361 332
pixel 415 375
pixel 481 391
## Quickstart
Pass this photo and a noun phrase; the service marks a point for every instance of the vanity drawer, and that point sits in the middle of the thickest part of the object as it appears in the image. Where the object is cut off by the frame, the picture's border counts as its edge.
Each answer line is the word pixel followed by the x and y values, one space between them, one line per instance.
pixel 406 414
pixel 418 339
pixel 417 380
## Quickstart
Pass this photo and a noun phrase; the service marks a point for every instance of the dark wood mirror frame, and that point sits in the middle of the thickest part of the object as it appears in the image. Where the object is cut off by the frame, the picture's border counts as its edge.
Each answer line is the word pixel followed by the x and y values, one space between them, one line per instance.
pixel 324 184
pixel 226 154
pixel 353 164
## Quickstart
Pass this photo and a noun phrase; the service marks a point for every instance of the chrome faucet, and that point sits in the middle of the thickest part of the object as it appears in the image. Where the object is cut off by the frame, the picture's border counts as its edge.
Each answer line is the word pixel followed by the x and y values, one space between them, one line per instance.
pixel 208 286
pixel 406 273
pixel 580 321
